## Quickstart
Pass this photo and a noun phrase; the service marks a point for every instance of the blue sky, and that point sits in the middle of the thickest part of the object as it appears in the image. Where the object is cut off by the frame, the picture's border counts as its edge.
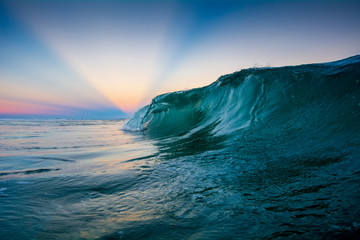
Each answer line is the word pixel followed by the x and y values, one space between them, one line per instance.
pixel 105 59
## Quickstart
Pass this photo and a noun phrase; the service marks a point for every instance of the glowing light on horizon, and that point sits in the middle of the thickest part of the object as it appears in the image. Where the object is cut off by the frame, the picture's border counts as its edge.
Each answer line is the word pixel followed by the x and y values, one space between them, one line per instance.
pixel 103 50
pixel 11 107
pixel 107 55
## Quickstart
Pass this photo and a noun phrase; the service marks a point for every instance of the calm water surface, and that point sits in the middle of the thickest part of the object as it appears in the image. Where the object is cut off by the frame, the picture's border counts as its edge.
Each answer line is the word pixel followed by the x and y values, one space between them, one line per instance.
pixel 73 179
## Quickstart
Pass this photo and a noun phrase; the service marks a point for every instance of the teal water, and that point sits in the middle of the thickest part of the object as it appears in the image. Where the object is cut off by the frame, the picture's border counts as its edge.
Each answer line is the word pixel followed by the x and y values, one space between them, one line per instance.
pixel 260 154
pixel 72 179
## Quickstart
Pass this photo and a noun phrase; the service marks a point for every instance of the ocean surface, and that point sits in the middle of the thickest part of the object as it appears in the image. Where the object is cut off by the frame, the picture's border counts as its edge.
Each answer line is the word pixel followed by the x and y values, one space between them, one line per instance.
pixel 264 153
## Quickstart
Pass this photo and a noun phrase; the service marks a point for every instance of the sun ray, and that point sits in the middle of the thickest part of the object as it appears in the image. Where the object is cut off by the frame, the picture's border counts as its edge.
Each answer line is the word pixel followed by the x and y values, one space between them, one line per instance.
pixel 109 55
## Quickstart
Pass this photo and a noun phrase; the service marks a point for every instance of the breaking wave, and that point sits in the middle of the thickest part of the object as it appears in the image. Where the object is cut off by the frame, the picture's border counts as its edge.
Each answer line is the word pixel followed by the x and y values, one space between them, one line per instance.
pixel 317 98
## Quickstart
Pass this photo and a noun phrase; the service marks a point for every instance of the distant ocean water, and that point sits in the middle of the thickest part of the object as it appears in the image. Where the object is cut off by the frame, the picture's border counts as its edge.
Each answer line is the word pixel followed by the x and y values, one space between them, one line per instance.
pixel 269 153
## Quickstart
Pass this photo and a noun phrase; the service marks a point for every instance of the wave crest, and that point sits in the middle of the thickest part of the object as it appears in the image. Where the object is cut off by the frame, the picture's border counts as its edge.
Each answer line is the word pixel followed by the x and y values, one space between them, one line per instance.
pixel 302 97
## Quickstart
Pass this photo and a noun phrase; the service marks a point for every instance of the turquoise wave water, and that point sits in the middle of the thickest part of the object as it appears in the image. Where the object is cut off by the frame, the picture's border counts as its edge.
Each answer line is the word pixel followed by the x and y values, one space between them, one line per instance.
pixel 267 153
pixel 307 97
pixel 284 140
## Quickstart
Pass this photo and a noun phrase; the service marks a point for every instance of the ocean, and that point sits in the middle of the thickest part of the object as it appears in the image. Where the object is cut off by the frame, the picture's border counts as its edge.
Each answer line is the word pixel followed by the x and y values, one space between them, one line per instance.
pixel 264 153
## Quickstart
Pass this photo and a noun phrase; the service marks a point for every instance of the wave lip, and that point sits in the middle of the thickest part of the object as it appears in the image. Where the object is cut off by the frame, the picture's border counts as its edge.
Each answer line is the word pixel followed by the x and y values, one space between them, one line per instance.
pixel 258 97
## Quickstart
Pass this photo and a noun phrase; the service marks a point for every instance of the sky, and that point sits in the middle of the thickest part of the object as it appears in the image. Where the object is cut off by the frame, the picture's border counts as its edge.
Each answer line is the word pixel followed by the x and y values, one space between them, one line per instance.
pixel 106 59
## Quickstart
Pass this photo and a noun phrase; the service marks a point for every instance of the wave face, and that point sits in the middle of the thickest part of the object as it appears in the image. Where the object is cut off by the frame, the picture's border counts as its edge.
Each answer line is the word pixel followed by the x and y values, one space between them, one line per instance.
pixel 320 98
pixel 265 153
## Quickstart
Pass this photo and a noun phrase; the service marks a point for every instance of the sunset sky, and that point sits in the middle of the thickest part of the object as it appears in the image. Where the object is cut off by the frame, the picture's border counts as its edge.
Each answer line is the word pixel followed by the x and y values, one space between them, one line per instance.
pixel 105 59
